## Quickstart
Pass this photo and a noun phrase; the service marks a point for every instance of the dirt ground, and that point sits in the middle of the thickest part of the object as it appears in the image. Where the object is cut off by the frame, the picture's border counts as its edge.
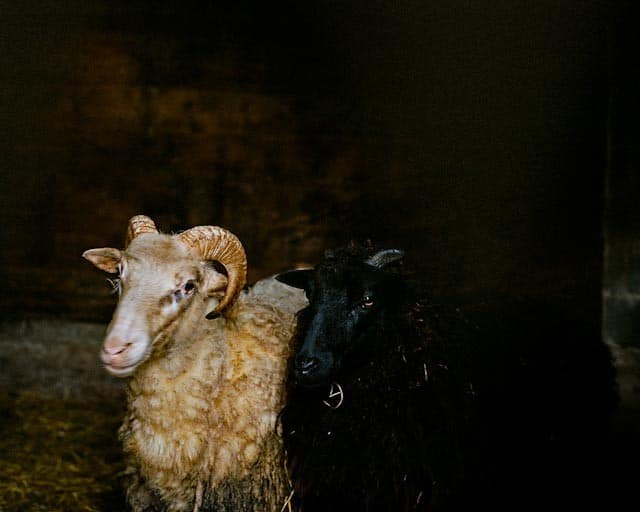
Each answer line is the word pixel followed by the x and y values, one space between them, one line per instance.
pixel 60 412
pixel 59 415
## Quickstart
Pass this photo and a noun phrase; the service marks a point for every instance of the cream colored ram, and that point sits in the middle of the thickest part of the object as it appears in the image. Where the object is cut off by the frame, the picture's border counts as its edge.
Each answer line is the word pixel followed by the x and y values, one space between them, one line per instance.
pixel 203 394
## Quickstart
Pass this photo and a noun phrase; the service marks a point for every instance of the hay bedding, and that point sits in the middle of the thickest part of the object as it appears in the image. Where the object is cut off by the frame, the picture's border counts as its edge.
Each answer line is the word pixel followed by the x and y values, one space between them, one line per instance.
pixel 59 414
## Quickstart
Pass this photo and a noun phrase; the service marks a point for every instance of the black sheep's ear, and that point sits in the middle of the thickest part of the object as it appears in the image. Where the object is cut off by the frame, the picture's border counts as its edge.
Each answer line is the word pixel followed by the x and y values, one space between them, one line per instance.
pixel 383 258
pixel 297 278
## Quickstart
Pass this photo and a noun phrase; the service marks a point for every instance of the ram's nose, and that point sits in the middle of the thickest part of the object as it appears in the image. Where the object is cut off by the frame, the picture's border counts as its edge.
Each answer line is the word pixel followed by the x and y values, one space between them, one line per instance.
pixel 115 351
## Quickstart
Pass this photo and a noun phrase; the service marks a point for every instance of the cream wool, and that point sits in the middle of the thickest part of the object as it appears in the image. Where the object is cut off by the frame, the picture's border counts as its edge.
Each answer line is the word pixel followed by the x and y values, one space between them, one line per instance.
pixel 205 413
pixel 204 395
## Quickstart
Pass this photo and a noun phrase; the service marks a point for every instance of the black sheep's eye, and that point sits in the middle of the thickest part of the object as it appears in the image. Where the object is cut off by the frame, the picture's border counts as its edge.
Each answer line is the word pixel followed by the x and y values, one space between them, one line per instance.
pixel 367 302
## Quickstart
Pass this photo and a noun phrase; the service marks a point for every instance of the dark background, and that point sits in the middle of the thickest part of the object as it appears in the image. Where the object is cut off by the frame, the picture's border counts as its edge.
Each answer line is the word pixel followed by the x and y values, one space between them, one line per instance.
pixel 493 141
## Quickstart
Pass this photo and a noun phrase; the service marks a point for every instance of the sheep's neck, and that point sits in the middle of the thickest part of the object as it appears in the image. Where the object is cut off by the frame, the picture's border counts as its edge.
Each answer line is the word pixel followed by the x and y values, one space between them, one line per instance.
pixel 170 397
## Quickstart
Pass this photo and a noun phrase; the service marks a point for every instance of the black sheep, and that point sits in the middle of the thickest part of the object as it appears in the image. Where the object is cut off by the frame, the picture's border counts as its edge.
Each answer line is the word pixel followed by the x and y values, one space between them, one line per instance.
pixel 396 404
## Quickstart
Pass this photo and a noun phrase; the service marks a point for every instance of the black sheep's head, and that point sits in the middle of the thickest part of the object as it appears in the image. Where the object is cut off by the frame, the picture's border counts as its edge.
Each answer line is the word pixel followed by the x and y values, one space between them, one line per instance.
pixel 350 294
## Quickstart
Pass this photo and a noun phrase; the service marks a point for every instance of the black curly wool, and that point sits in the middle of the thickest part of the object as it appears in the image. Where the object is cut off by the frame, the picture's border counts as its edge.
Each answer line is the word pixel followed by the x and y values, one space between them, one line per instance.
pixel 439 414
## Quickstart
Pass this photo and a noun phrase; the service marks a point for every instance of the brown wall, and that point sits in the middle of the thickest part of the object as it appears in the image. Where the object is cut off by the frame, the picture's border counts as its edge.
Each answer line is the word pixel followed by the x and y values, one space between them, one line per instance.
pixel 470 134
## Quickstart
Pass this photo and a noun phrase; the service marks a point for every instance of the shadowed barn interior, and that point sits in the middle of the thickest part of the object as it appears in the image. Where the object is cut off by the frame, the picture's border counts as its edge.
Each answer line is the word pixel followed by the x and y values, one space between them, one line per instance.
pixel 494 143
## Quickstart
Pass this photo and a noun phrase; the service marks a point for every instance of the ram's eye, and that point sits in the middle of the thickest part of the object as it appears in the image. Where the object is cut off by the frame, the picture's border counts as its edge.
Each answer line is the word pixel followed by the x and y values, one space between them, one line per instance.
pixel 367 302
pixel 186 290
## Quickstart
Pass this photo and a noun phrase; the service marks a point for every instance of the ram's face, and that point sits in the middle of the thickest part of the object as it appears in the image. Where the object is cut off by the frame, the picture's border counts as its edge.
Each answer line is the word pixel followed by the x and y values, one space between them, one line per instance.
pixel 158 280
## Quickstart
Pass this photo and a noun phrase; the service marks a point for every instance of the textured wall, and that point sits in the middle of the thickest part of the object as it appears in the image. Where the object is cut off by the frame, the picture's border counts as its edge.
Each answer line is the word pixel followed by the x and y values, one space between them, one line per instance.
pixel 470 134
pixel 621 287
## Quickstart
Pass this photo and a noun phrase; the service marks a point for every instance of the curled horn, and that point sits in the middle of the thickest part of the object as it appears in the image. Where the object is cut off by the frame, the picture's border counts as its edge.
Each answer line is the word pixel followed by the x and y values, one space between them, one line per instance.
pixel 138 225
pixel 213 243
pixel 383 258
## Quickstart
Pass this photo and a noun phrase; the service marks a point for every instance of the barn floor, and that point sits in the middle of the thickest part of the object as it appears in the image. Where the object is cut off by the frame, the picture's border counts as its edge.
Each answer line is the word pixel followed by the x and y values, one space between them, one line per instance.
pixel 60 411
pixel 59 415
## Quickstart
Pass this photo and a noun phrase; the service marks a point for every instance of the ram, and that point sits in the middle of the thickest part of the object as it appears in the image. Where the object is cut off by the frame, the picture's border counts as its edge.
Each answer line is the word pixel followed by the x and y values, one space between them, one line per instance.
pixel 206 363
pixel 399 403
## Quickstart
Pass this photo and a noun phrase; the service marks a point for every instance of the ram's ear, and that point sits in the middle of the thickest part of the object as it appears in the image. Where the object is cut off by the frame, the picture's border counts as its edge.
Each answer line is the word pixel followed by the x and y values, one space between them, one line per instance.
pixel 214 283
pixel 297 278
pixel 105 258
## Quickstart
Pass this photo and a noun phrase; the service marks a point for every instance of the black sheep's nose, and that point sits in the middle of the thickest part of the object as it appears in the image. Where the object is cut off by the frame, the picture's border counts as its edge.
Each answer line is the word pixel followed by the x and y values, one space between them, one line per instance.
pixel 306 365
